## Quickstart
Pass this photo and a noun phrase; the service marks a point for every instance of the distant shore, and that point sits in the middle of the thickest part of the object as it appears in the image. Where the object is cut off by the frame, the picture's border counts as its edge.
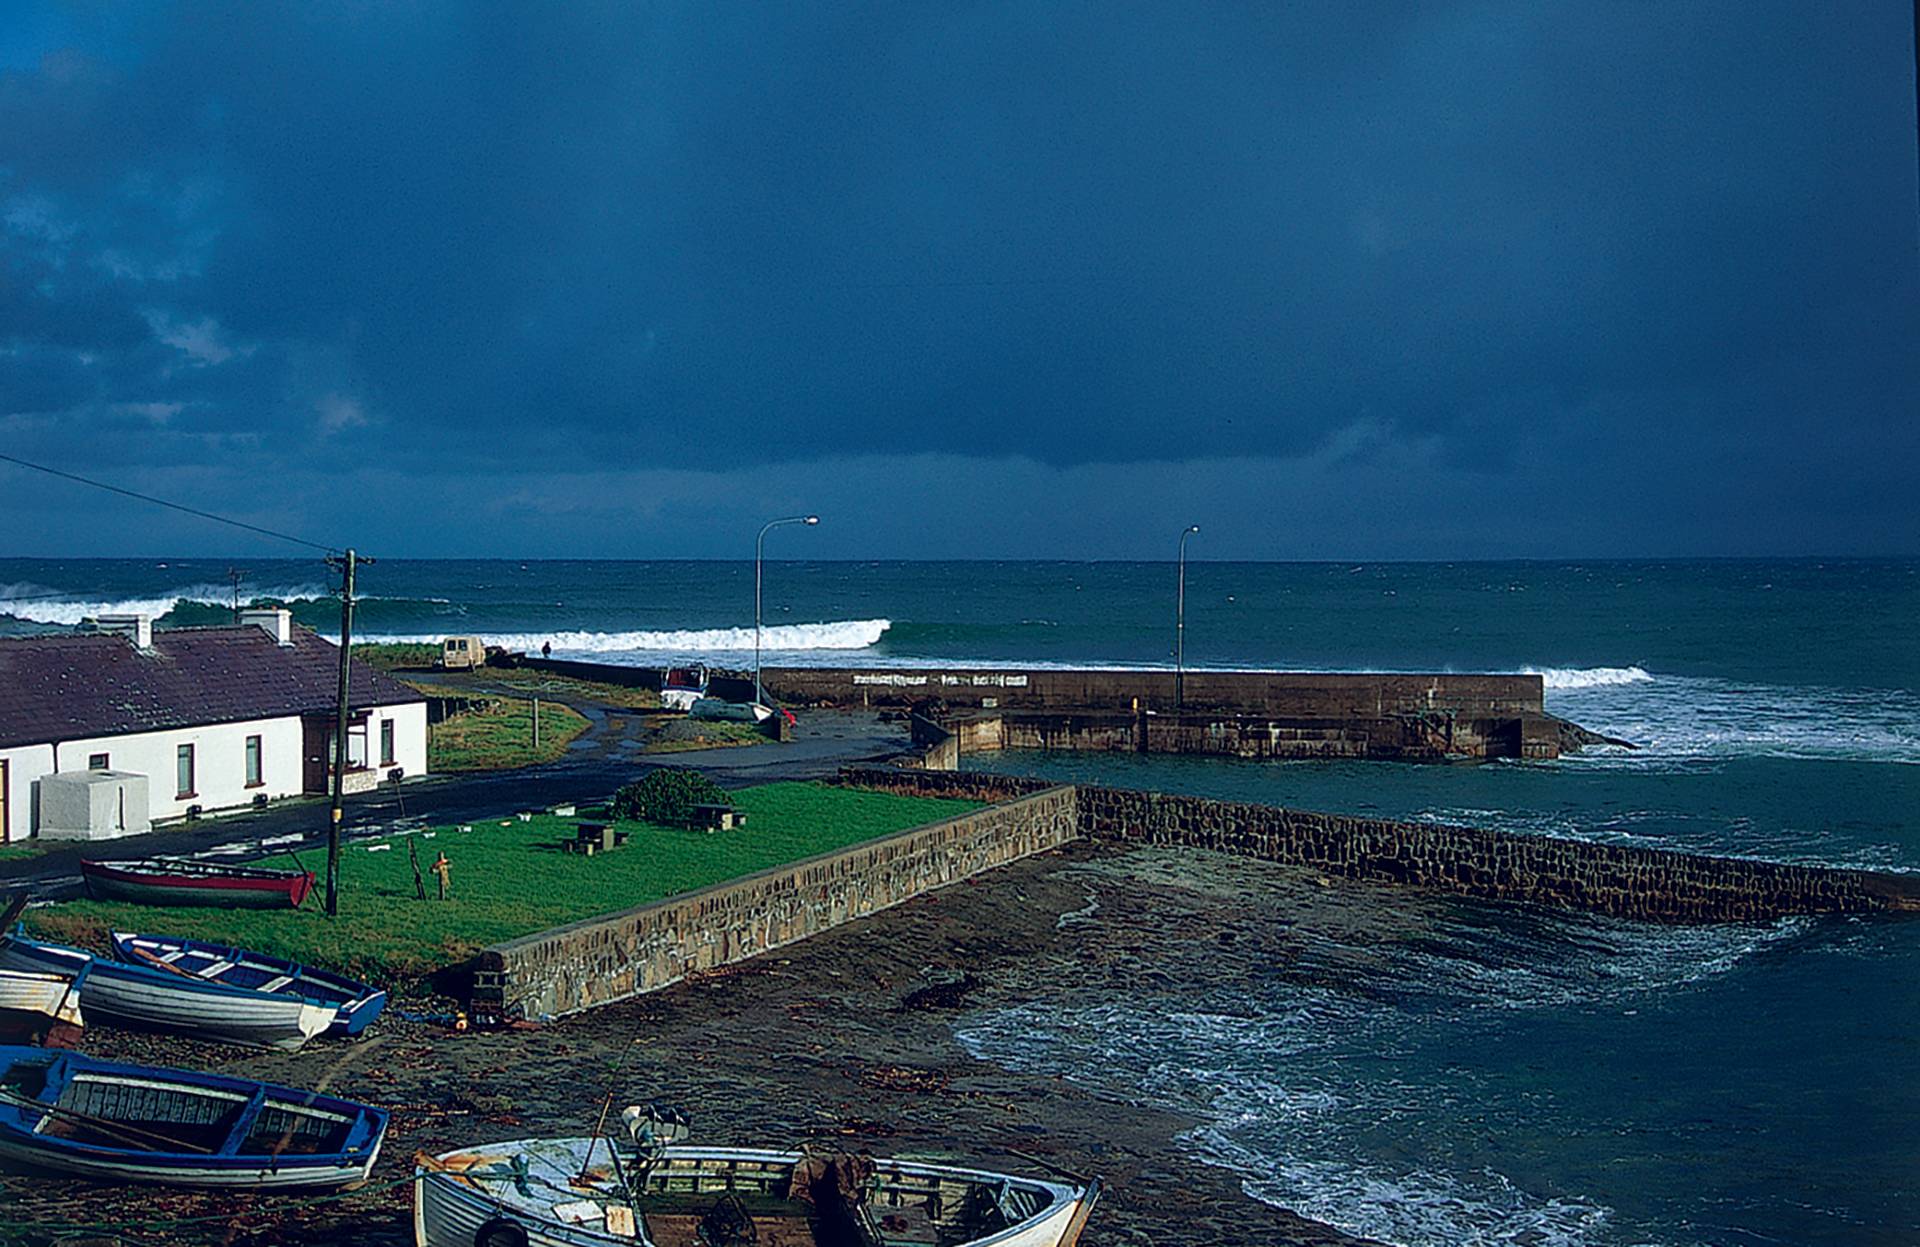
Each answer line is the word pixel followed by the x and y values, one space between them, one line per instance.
pixel 811 1044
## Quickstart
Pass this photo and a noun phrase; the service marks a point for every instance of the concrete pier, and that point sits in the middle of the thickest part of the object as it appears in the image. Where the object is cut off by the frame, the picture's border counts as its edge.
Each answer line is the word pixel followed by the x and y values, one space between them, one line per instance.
pixel 1242 714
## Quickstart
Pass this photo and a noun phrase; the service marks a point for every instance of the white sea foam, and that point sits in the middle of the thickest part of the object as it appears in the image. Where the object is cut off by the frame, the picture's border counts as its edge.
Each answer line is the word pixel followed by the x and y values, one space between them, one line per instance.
pixel 41 605
pixel 1588 677
pixel 1324 1100
pixel 840 634
pixel 1688 719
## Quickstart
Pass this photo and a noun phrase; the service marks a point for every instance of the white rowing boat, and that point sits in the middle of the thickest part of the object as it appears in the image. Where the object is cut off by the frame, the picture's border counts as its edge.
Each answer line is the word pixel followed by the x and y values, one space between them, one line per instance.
pixel 164 998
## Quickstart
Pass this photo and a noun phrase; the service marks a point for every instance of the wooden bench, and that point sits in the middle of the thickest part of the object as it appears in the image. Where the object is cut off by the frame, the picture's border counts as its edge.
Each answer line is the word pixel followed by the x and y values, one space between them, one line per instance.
pixel 597 838
pixel 717 818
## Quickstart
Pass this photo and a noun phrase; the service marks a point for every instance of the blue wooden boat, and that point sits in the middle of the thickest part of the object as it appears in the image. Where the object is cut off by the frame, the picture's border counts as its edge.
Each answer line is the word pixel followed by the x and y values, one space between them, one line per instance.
pixel 71 1114
pixel 355 1003
pixel 163 998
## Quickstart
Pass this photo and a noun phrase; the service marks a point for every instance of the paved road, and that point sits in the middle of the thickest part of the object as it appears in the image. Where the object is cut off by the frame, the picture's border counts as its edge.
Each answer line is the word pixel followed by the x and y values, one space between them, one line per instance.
pixel 597 764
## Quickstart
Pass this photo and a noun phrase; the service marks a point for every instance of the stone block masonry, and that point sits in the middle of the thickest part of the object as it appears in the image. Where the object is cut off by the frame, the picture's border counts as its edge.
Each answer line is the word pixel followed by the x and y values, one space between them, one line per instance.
pixel 1610 879
pixel 1646 884
pixel 609 958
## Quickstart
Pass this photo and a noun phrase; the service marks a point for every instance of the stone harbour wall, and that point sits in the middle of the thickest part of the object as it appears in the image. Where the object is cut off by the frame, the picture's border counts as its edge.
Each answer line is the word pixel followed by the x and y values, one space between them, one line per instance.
pixel 604 959
pixel 1627 882
pixel 1610 879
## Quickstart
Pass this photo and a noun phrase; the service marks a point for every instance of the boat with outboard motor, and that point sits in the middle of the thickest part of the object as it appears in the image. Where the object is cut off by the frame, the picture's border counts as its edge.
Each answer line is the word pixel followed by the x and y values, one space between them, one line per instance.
pixel 654 1191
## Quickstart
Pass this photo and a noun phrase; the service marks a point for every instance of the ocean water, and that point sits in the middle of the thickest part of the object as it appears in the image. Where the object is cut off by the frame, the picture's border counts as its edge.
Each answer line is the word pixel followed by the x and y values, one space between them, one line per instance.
pixel 1457 1072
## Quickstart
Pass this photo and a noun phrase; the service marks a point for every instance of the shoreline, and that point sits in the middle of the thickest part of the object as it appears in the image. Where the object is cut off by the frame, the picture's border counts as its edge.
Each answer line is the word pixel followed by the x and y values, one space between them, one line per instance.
pixel 809 1043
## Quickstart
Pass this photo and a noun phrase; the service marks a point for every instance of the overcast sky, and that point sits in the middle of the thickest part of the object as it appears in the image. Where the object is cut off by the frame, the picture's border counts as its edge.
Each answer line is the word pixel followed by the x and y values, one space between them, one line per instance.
pixel 1446 280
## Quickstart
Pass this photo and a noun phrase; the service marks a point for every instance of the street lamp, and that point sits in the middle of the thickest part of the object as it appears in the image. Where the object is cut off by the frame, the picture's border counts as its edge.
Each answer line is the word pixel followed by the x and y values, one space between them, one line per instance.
pixel 1180 624
pixel 759 547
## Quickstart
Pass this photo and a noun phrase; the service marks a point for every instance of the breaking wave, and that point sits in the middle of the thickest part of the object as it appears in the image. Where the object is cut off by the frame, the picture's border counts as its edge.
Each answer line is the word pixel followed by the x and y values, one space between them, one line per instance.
pixel 37 604
pixel 1588 677
pixel 842 634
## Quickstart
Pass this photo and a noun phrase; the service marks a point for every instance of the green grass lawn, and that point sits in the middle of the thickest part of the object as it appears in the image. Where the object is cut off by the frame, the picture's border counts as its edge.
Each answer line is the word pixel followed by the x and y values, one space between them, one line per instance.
pixel 387 655
pixel 706 734
pixel 501 736
pixel 509 880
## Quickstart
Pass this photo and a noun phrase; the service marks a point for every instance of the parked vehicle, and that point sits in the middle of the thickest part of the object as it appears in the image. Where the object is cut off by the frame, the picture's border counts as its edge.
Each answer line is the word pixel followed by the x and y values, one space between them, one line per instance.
pixel 356 1004
pixel 161 997
pixel 71 1114
pixel 181 881
pixel 462 653
pixel 680 687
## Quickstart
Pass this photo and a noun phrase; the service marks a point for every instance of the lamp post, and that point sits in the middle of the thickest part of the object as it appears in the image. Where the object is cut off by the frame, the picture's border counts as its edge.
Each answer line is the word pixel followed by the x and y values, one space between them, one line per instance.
pixel 759 548
pixel 1180 624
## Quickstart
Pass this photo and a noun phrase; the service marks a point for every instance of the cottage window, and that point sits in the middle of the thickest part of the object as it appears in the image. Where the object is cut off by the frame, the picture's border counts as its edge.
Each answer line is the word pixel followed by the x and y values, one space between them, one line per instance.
pixel 356 746
pixel 253 762
pixel 97 762
pixel 386 742
pixel 183 771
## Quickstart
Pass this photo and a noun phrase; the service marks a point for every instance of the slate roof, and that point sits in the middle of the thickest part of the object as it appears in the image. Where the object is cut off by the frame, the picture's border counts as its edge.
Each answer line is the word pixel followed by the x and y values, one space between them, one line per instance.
pixel 72 686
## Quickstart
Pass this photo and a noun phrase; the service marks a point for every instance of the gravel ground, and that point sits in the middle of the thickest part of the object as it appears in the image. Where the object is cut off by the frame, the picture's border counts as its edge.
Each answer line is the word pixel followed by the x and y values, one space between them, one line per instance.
pixel 814 1042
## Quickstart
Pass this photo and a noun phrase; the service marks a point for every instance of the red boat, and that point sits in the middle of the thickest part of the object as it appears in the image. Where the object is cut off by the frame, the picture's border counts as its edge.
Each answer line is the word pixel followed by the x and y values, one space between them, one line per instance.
pixel 177 881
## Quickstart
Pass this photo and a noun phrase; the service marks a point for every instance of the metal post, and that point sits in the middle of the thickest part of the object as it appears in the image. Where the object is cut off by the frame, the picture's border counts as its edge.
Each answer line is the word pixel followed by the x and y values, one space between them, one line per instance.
pixel 759 550
pixel 340 735
pixel 1180 625
pixel 536 725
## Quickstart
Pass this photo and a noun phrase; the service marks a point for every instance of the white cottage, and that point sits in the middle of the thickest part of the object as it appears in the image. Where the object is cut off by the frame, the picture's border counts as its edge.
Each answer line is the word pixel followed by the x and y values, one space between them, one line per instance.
pixel 214 718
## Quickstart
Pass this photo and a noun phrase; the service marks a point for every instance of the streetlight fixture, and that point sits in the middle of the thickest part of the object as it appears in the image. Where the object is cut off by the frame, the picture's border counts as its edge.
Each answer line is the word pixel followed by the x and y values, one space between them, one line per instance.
pixel 759 548
pixel 1180 624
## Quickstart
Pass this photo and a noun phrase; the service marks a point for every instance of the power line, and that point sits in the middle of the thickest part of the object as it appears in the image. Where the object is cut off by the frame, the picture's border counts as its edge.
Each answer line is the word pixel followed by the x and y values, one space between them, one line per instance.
pixel 162 502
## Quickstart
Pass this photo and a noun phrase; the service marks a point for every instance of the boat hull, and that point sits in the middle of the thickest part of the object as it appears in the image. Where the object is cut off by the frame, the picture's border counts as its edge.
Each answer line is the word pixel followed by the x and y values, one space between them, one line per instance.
pixel 163 1000
pixel 106 882
pixel 356 1004
pixel 39 1008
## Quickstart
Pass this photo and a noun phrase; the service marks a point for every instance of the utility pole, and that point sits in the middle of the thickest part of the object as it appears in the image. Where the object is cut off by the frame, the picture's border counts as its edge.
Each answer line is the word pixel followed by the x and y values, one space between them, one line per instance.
pixel 236 575
pixel 346 565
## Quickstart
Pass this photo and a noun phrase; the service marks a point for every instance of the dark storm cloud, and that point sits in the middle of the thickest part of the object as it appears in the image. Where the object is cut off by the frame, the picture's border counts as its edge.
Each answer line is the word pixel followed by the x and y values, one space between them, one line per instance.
pixel 1420 242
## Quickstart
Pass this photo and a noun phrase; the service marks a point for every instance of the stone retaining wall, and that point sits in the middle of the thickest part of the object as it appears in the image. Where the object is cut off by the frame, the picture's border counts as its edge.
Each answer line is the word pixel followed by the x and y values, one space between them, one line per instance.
pixel 604 959
pixel 1602 878
pixel 1626 882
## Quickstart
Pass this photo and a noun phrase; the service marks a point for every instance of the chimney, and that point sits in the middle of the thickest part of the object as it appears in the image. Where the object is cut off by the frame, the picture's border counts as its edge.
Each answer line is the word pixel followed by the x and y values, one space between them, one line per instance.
pixel 277 623
pixel 136 628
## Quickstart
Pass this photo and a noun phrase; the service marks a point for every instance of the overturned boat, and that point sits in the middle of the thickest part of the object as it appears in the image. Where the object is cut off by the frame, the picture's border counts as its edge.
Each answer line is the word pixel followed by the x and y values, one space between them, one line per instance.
pixel 355 1004
pixel 161 997
pixel 718 709
pixel 65 1113
pixel 183 881
pixel 582 1193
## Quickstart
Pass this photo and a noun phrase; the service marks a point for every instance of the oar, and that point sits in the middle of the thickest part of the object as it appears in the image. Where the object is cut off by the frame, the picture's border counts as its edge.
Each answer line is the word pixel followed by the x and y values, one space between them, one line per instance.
pixel 164 964
pixel 105 1125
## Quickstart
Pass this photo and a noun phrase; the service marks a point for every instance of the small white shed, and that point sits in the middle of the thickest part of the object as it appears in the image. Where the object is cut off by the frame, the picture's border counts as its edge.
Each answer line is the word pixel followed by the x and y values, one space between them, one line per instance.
pixel 93 805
